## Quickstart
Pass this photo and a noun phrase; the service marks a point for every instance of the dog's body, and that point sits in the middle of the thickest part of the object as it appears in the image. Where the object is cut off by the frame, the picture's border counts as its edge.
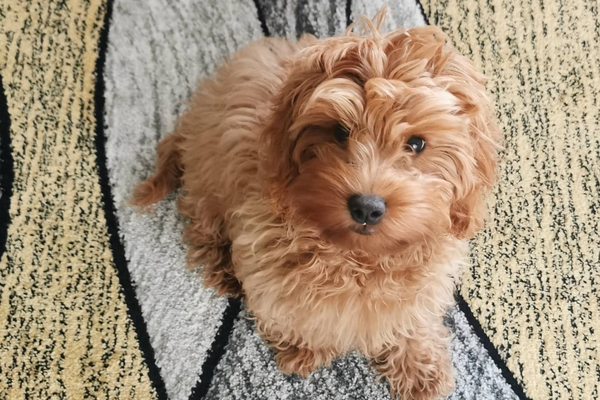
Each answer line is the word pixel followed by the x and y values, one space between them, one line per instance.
pixel 265 189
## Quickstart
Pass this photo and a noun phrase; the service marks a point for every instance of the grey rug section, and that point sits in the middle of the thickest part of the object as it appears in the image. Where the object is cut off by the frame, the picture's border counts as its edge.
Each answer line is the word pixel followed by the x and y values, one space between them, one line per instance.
pixel 323 18
pixel 291 19
pixel 157 52
pixel 477 376
pixel 248 371
pixel 401 13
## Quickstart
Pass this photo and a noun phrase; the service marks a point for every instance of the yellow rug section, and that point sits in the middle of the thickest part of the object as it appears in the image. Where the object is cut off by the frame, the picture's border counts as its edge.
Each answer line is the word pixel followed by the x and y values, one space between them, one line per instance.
pixel 536 279
pixel 65 331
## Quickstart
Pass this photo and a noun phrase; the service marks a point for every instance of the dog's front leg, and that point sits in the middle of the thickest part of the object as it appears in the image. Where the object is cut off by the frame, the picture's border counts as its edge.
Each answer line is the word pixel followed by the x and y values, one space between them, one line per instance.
pixel 301 360
pixel 418 367
pixel 293 359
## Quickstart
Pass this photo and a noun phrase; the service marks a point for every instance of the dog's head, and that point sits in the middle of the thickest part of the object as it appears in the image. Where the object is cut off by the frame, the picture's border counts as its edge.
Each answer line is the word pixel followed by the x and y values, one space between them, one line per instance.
pixel 381 142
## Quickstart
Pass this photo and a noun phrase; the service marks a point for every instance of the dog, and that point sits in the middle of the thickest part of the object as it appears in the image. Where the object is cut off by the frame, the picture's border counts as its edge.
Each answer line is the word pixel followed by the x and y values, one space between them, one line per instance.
pixel 332 183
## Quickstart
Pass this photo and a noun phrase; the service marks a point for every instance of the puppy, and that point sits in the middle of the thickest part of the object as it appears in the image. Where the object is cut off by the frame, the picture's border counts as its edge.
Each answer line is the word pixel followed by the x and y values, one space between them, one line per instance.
pixel 331 184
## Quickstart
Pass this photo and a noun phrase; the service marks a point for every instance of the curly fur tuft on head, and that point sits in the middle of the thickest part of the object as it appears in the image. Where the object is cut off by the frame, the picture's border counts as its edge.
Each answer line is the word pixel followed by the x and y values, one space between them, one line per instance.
pixel 330 183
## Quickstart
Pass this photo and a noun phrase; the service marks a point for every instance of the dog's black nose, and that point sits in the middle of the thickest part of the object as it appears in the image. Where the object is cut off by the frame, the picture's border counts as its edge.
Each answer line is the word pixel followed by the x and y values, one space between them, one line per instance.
pixel 366 209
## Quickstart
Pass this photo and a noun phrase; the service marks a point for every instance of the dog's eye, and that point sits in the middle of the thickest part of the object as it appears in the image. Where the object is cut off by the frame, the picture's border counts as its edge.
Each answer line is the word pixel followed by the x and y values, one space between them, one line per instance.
pixel 416 144
pixel 341 133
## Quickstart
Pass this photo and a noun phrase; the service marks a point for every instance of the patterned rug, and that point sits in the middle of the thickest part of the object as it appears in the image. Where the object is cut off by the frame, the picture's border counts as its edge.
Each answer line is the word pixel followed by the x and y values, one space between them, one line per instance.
pixel 95 301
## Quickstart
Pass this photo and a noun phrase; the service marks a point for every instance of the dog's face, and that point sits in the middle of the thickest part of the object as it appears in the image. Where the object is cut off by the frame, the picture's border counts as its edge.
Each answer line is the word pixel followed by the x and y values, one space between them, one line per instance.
pixel 382 142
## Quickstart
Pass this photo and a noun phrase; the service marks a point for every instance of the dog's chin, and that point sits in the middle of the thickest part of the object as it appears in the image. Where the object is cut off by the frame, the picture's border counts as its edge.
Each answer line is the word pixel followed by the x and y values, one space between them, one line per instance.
pixel 369 239
pixel 380 240
pixel 363 230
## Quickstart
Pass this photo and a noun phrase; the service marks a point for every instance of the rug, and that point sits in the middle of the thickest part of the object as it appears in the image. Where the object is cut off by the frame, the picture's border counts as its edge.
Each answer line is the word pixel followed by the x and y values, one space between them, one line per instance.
pixel 95 301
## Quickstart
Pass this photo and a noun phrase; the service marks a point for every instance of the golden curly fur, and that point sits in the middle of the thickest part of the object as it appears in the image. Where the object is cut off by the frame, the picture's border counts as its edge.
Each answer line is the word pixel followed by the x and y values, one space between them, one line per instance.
pixel 266 187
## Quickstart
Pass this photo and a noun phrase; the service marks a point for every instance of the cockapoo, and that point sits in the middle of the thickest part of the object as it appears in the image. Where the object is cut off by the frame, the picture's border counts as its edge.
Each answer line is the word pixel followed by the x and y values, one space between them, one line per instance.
pixel 332 183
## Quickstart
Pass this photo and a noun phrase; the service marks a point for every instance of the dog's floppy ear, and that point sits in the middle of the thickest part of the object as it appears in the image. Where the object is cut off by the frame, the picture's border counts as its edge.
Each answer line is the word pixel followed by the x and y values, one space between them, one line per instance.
pixel 304 75
pixel 468 210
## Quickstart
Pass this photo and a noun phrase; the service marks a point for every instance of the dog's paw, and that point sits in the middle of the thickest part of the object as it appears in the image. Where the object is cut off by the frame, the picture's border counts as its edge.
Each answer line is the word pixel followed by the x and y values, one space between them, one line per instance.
pixel 430 383
pixel 438 386
pixel 418 371
pixel 224 284
pixel 301 361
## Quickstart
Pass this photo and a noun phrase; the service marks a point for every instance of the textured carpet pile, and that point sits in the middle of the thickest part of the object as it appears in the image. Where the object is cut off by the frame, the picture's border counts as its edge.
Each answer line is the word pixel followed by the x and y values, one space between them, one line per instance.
pixel 95 301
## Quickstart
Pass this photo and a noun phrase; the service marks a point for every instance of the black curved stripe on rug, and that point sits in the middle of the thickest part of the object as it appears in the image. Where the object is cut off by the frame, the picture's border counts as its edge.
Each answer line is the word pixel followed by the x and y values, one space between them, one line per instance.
pixel 217 349
pixel 6 169
pixel 474 322
pixel 133 306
